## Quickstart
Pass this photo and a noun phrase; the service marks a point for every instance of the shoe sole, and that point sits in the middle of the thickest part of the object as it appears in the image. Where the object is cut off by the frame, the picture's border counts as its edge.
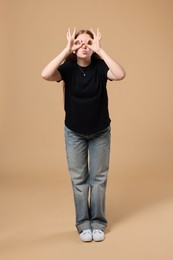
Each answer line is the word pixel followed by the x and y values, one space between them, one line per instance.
pixel 99 240
pixel 86 240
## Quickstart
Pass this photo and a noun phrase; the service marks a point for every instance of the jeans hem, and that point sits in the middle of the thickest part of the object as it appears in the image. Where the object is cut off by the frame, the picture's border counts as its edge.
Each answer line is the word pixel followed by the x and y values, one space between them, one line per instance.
pixel 91 225
pixel 98 225
pixel 83 226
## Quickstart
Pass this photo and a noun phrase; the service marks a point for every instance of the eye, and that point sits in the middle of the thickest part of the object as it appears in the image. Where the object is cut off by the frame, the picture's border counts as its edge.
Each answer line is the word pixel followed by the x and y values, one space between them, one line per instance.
pixel 90 42
pixel 77 42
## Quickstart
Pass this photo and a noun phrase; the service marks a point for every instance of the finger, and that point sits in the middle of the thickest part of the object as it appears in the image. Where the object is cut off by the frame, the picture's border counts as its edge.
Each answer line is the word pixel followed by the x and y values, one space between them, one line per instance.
pixel 76 47
pixel 98 34
pixel 68 33
pixel 93 32
pixel 77 42
pixel 90 44
pixel 74 32
pixel 98 31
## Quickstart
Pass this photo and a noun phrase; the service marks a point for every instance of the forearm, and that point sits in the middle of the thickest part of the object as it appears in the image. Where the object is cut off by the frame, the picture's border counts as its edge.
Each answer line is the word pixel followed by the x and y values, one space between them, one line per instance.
pixel 115 68
pixel 50 71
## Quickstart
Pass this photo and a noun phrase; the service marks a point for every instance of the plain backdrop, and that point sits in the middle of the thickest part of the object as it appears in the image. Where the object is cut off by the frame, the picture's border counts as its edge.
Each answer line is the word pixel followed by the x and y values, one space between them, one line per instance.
pixel 139 35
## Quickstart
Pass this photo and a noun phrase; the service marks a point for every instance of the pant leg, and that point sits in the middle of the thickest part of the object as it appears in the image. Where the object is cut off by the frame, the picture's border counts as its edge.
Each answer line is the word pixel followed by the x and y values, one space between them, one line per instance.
pixel 99 149
pixel 77 160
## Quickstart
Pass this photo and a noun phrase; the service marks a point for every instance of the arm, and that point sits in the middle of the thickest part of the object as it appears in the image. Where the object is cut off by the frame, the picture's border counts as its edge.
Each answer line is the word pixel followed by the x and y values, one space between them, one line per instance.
pixel 50 72
pixel 116 71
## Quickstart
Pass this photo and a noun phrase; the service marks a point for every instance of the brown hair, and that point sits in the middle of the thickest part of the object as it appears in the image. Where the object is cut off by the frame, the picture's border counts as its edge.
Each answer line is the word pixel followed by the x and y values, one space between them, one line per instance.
pixel 73 56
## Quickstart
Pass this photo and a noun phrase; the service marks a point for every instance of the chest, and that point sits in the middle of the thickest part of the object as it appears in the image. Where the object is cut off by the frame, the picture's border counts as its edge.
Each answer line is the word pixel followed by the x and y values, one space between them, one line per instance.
pixel 85 83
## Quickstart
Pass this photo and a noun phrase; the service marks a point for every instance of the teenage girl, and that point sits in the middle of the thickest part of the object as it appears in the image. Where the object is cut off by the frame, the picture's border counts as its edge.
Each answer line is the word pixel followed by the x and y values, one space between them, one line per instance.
pixel 84 66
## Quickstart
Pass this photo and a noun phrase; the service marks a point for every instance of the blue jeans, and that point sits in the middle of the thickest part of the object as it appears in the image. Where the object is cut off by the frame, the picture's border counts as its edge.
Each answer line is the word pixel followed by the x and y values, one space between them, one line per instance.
pixel 88 164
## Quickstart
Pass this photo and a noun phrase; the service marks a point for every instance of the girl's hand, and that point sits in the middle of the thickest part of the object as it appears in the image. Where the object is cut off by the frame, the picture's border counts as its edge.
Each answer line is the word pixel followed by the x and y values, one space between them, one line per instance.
pixel 72 43
pixel 95 43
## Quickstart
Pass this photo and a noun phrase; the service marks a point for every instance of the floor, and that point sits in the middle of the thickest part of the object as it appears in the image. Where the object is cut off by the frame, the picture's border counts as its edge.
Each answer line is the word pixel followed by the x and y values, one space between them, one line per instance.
pixel 37 218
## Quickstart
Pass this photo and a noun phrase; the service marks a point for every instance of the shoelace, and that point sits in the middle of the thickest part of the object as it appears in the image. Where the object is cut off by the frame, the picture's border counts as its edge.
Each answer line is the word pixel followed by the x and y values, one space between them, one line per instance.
pixel 97 231
pixel 86 232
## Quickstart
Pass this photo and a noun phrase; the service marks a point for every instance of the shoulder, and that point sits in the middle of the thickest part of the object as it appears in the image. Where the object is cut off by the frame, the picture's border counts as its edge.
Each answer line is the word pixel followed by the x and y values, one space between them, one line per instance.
pixel 100 63
pixel 66 67
pixel 102 67
pixel 67 64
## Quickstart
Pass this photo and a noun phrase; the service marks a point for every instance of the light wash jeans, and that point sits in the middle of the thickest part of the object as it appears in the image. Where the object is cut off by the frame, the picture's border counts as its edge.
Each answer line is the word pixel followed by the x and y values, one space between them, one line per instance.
pixel 88 164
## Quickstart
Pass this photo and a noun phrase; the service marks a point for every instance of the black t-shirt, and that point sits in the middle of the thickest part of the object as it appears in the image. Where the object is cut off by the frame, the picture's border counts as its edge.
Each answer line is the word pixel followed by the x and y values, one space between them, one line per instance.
pixel 86 100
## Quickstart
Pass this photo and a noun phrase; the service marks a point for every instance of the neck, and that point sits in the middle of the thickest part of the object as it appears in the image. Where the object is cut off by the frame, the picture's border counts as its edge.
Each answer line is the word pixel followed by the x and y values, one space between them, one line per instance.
pixel 83 62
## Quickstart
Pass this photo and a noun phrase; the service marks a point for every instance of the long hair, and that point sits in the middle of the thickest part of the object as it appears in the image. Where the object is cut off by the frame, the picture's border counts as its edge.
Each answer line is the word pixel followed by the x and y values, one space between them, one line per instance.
pixel 73 57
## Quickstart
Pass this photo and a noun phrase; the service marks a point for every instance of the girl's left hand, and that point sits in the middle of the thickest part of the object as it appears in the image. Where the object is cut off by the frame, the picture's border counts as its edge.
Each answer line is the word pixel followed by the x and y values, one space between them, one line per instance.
pixel 95 43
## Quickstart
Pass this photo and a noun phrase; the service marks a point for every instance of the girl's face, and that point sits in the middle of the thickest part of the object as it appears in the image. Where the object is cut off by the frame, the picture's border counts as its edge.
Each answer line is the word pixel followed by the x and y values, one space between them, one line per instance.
pixel 84 52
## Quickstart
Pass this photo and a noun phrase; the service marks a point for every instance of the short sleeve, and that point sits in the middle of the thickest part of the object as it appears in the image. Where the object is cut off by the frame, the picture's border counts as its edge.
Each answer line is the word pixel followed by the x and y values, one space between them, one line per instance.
pixel 64 69
pixel 103 67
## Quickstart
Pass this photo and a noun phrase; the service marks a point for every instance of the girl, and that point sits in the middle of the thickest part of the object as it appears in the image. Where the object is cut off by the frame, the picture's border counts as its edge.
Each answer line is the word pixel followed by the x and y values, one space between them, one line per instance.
pixel 85 67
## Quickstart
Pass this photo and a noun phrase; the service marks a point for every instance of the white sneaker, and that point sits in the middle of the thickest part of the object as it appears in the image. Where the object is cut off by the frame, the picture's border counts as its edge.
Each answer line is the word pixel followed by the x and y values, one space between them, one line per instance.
pixel 98 235
pixel 86 235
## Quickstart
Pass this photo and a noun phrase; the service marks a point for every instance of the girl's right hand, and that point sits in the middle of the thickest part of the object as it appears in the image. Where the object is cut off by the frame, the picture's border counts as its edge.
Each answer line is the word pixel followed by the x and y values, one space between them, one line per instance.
pixel 72 43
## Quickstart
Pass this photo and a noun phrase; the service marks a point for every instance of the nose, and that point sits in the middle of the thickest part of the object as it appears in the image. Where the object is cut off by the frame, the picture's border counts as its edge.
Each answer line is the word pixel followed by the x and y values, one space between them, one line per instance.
pixel 84 46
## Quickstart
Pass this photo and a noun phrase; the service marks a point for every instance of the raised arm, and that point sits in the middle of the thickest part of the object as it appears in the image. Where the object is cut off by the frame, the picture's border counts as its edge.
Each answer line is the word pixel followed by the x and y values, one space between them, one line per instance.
pixel 116 71
pixel 50 72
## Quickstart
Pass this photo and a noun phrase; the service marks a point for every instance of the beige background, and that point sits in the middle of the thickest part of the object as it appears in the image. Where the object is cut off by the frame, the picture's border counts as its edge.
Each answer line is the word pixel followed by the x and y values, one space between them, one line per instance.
pixel 36 204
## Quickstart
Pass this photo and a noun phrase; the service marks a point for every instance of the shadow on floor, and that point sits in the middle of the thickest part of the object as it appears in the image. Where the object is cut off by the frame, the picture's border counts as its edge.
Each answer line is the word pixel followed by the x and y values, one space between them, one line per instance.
pixel 129 193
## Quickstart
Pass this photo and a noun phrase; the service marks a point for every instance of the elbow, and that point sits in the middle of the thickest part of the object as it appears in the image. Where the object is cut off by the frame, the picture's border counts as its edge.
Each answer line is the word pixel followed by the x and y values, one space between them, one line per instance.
pixel 121 75
pixel 51 76
pixel 45 76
